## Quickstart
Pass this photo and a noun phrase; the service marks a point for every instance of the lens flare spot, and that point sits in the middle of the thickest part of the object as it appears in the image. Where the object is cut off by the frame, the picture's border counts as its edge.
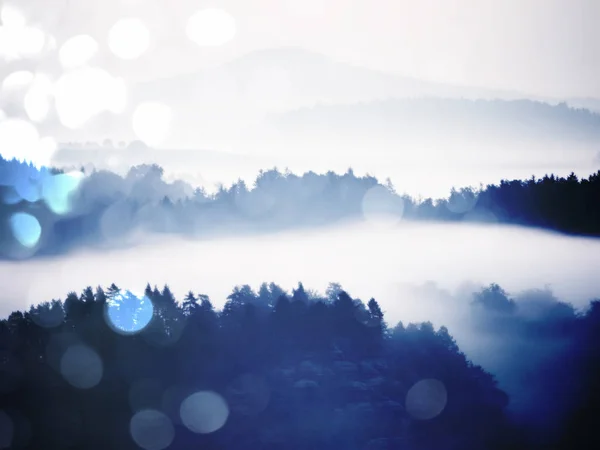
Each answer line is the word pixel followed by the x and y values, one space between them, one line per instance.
pixel 27 189
pixel 11 196
pixel 83 93
pixel 151 122
pixel 12 17
pixel 204 412
pixel 17 40
pixel 211 27
pixel 128 313
pixel 151 430
pixel 77 51
pixel 382 207
pixel 117 101
pixel 17 80
pixel 51 43
pixel 426 399
pixel 31 41
pixel 115 223
pixel 129 38
pixel 37 98
pixel 81 367
pixel 58 190
pixel 26 229
pixel 19 139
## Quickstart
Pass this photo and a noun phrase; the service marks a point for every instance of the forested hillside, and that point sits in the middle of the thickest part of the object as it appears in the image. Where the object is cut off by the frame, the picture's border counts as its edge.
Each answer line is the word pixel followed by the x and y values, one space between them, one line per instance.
pixel 111 369
pixel 64 211
pixel 268 371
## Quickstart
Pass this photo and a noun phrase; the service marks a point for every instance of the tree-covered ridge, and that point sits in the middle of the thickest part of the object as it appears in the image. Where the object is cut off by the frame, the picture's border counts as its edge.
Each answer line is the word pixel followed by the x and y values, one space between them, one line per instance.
pixel 272 369
pixel 103 207
pixel 294 370
pixel 502 119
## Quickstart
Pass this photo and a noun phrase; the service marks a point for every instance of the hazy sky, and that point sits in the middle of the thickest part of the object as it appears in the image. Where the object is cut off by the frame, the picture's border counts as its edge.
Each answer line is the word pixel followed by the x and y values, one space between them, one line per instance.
pixel 545 47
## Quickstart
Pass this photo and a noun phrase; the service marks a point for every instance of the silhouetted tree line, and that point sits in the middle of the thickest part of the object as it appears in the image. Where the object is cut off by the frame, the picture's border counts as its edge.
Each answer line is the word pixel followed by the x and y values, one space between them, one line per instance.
pixel 296 370
pixel 567 205
pixel 107 208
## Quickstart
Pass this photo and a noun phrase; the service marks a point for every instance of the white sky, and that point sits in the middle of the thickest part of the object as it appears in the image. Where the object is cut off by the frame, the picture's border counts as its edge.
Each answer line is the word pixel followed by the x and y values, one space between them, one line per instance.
pixel 541 47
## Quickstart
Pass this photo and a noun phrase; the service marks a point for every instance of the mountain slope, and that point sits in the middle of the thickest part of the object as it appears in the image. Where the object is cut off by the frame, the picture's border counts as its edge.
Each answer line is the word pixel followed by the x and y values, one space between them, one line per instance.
pixel 300 78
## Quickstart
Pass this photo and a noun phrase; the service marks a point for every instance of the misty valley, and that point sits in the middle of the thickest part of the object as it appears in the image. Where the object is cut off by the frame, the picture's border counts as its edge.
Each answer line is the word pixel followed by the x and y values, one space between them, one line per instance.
pixel 299 225
pixel 477 325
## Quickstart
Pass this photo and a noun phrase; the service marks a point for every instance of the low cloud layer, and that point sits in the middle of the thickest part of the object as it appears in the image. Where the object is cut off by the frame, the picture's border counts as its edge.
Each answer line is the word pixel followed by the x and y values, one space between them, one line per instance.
pixel 417 273
pixel 367 260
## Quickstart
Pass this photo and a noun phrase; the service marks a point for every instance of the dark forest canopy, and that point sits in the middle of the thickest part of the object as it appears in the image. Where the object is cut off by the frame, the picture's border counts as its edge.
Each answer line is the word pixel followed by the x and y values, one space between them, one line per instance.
pixel 272 370
pixel 103 207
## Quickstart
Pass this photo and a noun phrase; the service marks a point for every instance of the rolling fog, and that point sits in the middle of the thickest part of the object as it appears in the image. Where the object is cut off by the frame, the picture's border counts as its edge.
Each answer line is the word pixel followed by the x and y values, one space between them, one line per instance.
pixel 401 104
pixel 369 260
pixel 416 271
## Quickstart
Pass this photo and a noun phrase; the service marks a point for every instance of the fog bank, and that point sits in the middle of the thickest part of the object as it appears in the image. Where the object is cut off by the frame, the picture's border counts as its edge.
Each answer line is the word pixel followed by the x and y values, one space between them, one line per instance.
pixel 368 261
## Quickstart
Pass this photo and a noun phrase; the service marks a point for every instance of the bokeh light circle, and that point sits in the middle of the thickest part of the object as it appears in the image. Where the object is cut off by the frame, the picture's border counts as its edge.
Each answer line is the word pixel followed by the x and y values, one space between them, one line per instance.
pixel 85 92
pixel 382 207
pixel 38 97
pixel 27 188
pixel 17 80
pixel 26 229
pixel 18 139
pixel 81 367
pixel 58 190
pixel 32 41
pixel 204 412
pixel 426 399
pixel 129 38
pixel 115 223
pixel 128 313
pixel 17 39
pixel 211 27
pixel 11 17
pixel 151 430
pixel 77 51
pixel 151 122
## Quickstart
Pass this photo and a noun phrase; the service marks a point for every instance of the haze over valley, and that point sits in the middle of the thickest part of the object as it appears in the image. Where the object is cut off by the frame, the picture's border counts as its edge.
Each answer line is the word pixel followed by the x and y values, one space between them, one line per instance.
pixel 280 224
